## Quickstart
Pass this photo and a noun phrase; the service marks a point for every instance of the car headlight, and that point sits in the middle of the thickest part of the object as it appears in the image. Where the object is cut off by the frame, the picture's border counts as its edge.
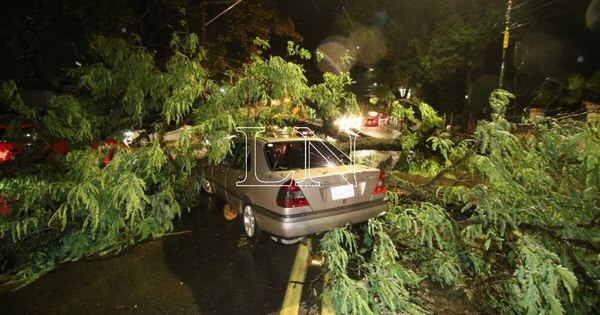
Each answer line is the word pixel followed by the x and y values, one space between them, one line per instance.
pixel 353 122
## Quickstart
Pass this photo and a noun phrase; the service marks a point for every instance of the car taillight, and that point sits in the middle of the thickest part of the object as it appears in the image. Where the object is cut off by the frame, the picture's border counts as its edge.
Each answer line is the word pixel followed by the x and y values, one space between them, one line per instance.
pixel 380 188
pixel 290 196
pixel 6 152
pixel 61 147
pixel 5 207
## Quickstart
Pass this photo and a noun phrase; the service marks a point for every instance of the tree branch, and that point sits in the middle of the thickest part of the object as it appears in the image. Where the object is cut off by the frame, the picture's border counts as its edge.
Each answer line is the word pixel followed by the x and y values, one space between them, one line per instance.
pixel 553 233
pixel 462 160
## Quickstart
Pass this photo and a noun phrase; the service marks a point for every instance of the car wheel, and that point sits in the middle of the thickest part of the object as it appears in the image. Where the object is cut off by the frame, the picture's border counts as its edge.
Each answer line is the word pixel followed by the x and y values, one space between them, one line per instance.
pixel 208 187
pixel 144 141
pixel 250 226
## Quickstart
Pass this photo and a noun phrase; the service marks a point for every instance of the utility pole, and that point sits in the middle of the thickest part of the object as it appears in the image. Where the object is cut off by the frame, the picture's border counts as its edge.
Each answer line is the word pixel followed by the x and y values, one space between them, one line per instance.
pixel 505 43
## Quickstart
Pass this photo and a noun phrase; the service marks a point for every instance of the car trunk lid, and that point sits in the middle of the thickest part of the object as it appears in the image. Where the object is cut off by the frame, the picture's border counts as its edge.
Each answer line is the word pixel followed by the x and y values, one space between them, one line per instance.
pixel 332 187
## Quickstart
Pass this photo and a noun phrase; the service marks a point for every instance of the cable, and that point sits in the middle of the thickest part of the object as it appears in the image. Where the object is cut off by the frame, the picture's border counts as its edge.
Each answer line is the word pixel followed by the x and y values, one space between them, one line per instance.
pixel 224 11
pixel 544 5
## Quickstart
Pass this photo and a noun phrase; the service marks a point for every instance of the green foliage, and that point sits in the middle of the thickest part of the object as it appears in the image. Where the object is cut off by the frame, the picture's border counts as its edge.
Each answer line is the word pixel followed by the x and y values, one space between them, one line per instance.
pixel 294 49
pixel 333 93
pixel 90 210
pixel 416 116
pixel 128 82
pixel 75 206
pixel 10 96
pixel 550 167
pixel 522 232
pixel 487 238
pixel 456 43
pixel 443 144
pixel 428 234
pixel 579 88
pixel 68 119
pixel 429 45
pixel 363 284
pixel 420 125
pixel 540 278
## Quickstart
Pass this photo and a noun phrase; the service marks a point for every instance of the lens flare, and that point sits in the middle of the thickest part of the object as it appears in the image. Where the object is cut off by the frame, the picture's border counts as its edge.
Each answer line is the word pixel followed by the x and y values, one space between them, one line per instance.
pixel 372 45
pixel 592 16
pixel 334 50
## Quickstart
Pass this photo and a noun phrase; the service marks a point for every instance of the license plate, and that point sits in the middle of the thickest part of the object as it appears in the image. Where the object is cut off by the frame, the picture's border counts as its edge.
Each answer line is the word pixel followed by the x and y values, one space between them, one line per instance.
pixel 342 192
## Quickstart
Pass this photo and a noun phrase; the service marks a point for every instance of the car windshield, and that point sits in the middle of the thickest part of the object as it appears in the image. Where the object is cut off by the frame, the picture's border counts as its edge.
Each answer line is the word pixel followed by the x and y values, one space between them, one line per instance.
pixel 283 156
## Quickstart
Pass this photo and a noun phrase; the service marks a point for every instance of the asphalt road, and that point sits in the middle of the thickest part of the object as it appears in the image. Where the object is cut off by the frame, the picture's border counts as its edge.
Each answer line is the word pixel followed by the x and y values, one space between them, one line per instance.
pixel 204 267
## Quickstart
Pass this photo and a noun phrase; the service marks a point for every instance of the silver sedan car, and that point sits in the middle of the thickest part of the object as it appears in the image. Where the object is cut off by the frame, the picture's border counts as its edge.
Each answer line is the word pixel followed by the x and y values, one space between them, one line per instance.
pixel 293 187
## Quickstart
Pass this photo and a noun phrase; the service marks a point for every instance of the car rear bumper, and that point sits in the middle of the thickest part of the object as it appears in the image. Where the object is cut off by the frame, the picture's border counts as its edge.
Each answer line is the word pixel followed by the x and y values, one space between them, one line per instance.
pixel 317 221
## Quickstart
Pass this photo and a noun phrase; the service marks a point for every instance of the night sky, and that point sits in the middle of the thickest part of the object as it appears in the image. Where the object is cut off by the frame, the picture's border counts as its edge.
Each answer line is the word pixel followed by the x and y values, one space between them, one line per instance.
pixel 549 39
pixel 564 38
pixel 569 30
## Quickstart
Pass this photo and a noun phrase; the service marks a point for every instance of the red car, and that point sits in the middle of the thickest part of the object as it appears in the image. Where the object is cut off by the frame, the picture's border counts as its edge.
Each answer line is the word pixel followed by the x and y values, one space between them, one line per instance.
pixel 108 148
pixel 23 145
pixel 5 207
pixel 27 144
pixel 371 122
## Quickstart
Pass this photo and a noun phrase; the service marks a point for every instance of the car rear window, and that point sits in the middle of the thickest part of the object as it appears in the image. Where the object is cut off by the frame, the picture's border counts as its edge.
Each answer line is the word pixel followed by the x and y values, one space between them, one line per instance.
pixel 291 155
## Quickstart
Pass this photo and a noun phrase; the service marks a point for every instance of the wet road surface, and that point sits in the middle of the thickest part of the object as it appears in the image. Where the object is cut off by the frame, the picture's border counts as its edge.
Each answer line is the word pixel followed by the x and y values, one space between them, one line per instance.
pixel 204 267
pixel 381 132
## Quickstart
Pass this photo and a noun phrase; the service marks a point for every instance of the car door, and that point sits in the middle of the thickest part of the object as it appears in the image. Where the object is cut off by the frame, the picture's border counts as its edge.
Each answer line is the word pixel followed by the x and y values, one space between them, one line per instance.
pixel 219 174
pixel 236 172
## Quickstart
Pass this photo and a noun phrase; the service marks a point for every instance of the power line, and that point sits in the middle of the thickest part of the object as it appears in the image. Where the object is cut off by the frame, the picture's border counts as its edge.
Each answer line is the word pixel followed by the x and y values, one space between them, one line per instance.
pixel 224 11
pixel 544 5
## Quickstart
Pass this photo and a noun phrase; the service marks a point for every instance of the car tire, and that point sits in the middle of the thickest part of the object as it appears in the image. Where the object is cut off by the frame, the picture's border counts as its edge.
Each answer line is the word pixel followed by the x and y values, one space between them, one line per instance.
pixel 251 229
pixel 144 141
pixel 208 187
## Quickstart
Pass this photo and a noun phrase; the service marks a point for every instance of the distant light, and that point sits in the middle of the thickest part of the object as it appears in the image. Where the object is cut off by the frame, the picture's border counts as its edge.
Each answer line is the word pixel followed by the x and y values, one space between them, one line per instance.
pixel 357 47
pixel 371 69
pixel 580 59
pixel 123 29
pixel 316 262
pixel 352 122
pixel 375 84
pixel 467 96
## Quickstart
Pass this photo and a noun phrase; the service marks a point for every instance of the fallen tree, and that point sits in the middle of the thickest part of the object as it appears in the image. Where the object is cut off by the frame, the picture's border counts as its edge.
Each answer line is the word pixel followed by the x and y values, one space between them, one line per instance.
pixel 520 235
pixel 85 204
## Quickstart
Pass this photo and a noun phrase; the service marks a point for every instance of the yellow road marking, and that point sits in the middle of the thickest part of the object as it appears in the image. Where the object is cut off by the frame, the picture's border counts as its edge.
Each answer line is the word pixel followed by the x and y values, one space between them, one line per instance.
pixel 293 294
pixel 326 308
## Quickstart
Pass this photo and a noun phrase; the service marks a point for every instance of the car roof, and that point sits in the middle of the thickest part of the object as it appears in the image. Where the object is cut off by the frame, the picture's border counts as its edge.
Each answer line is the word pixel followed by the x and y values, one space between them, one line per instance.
pixel 24 124
pixel 289 139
